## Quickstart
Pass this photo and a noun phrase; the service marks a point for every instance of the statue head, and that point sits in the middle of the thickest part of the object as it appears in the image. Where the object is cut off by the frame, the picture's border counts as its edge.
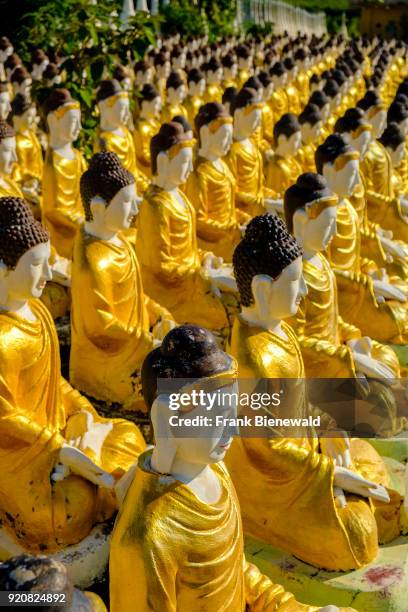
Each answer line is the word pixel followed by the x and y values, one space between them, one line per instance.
pixel 176 90
pixel 11 64
pixel 8 156
pixel 301 59
pixel 267 85
pixel 355 130
pixel 338 162
pixel 214 128
pixel 24 253
pixel 191 353
pixel 108 193
pixel 314 83
pixel 39 61
pixel 291 68
pixel 196 83
pixel 171 156
pixel 213 71
pixel 63 115
pixel 187 129
pixel 113 103
pixel 23 113
pixel 246 112
pixel 254 83
pixel 143 73
pixel 123 76
pixel 244 56
pixel 375 112
pixel 21 81
pixel 5 106
pixel 287 135
pixel 333 93
pixel 319 99
pixel 178 58
pixel 268 269
pixel 398 113
pixel 150 102
pixel 51 75
pixel 162 65
pixel 279 75
pixel 311 124
pixel 6 48
pixel 310 212
pixel 230 65
pixel 227 98
pixel 393 139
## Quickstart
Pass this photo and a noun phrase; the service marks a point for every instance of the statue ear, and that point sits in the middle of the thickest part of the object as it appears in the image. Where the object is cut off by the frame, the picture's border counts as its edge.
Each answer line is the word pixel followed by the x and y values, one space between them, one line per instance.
pixel 166 445
pixel 98 206
pixel 260 286
pixel 299 225
pixel 204 135
pixel 3 270
pixel 162 163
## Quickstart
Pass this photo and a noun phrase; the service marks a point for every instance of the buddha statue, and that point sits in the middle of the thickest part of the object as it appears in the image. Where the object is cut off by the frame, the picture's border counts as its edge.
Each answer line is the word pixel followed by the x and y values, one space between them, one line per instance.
pixel 369 302
pixel 163 68
pixel 28 149
pixel 319 99
pixel 63 456
pixel 398 113
pixel 123 75
pixel 213 76
pixel 230 70
pixel 52 75
pixel 143 74
pixel 146 126
pixel 333 93
pixel 393 141
pixel 283 167
pixel 307 480
pixel 12 62
pixel 263 134
pixel 21 82
pixel 5 106
pixel 6 49
pixel 176 273
pixel 227 98
pixel 291 90
pixel 303 76
pixel 311 125
pixel 175 96
pixel 315 84
pixel 195 97
pixel 245 64
pixel 8 161
pixel 244 158
pixel 114 324
pixel 63 167
pixel 279 100
pixel 178 535
pixel 39 62
pixel 178 58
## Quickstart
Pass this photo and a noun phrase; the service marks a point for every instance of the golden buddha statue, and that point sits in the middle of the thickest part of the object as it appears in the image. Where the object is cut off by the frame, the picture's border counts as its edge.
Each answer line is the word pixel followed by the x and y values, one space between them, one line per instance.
pixel 268 119
pixel 311 125
pixel 319 99
pixel 303 76
pixel 114 324
pixel 63 167
pixel 244 158
pixel 393 140
pixel 213 75
pixel 8 160
pixel 175 96
pixel 21 82
pixel 64 457
pixel 334 96
pixel 283 167
pixel 196 89
pixel 175 272
pixel 291 90
pixel 245 64
pixel 371 303
pixel 162 68
pixel 5 101
pixel 146 126
pixel 230 70
pixel 279 100
pixel 178 535
pixel 293 477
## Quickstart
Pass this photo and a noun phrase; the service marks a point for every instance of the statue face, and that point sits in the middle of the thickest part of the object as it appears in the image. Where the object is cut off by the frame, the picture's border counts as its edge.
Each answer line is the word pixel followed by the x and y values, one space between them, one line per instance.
pixel 342 181
pixel 180 166
pixel 29 118
pixel 284 294
pixel 122 209
pixel 319 232
pixel 379 121
pixel 176 96
pixel 310 133
pixel 404 126
pixel 5 106
pixel 221 140
pixel 268 91
pixel 5 53
pixel 398 155
pixel 8 156
pixel 69 125
pixel 31 274
pixel 249 122
pixel 362 142
pixel 196 89
pixel 289 146
pixel 120 110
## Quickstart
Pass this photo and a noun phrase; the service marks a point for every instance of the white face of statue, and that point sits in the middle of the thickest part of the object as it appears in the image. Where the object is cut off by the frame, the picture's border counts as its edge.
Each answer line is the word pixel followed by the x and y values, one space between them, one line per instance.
pixel 120 111
pixel 247 123
pixel 231 72
pixel 311 133
pixel 289 146
pixel 22 88
pixel 315 234
pixel 5 53
pixel 152 108
pixel 284 294
pixel 8 156
pixel 362 142
pixel 397 155
pixel 68 126
pixel 5 106
pixel 31 274
pixel 196 89
pixel 219 143
pixel 379 122
pixel 342 181
pixel 174 172
pixel 404 126
pixel 122 209
pixel 27 120
pixel 176 96
pixel 268 91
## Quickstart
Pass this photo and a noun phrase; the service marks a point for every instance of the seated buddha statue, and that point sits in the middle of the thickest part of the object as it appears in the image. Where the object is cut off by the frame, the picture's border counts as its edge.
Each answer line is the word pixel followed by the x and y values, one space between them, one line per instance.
pixel 245 64
pixel 8 161
pixel 364 299
pixel 283 167
pixel 175 272
pixel 211 185
pixel 230 70
pixel 297 477
pixel 175 96
pixel 319 99
pixel 178 535
pixel 195 97
pixel 311 125
pixel 113 133
pixel 334 96
pixel 146 126
pixel 244 158
pixel 279 100
pixel 291 90
pixel 39 62
pixel 28 149
pixel 113 321
pixel 63 167
pixel 227 97
pixel 162 67
pixel 393 141
pixel 21 82
pixel 64 457
pixel 213 77
pixel 398 113
pixel 5 105
pixel 303 76
pixel 123 75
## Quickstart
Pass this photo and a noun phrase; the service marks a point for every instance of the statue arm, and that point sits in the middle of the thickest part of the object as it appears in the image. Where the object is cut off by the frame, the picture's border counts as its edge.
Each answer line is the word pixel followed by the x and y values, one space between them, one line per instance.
pixel 156 311
pixel 142 146
pixel 241 197
pixel 73 401
pixel 347 331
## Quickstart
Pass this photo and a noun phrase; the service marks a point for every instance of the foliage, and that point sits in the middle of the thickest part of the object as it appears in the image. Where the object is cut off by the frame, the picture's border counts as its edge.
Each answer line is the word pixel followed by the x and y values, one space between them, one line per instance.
pixel 322 5
pixel 89 38
pixel 256 29
pixel 212 17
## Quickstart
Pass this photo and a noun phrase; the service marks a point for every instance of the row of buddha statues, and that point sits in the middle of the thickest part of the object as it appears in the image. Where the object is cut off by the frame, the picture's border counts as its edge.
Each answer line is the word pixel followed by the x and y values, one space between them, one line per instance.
pixel 256 229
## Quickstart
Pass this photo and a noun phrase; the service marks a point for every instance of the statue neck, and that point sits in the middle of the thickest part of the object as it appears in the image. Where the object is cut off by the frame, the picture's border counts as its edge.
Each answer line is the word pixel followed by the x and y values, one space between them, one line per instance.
pixel 258 315
pixel 207 153
pixel 19 307
pixel 240 134
pixel 147 115
pixel 165 183
pixel 98 230
pixel 61 144
pixel 109 123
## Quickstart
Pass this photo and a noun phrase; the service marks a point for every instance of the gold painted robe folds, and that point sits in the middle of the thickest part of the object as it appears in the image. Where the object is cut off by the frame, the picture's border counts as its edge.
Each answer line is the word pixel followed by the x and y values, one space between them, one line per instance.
pixel 39 411
pixel 279 477
pixel 171 261
pixel 61 204
pixel 184 554
pixel 29 155
pixel 281 173
pixel 144 131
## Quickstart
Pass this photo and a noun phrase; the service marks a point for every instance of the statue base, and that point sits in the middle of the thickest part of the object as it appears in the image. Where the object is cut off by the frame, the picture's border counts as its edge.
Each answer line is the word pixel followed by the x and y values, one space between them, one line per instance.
pixel 86 561
pixel 381 586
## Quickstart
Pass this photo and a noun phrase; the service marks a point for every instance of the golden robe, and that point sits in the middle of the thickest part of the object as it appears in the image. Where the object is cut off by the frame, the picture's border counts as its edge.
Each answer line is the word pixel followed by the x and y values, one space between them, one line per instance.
pixel 213 93
pixel 111 320
pixel 306 158
pixel 172 110
pixel 8 187
pixel 279 104
pixel 279 477
pixel 184 554
pixel 212 193
pixel 192 105
pixel 144 131
pixel 247 168
pixel 171 261
pixel 61 203
pixel 29 155
pixel 292 94
pixel 302 84
pixel 39 411
pixel 242 77
pixel 281 173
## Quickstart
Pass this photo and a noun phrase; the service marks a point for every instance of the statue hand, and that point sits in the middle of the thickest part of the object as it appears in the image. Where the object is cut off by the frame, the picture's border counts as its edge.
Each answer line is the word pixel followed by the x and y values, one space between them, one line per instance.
pixel 354 483
pixel 393 248
pixel 274 206
pixel 329 609
pixel 384 233
pixel 387 291
pixel 79 463
pixel 162 328
pixel 372 368
pixel 337 448
pixel 61 271
pixel 94 436
pixel 362 345
pixel 220 275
